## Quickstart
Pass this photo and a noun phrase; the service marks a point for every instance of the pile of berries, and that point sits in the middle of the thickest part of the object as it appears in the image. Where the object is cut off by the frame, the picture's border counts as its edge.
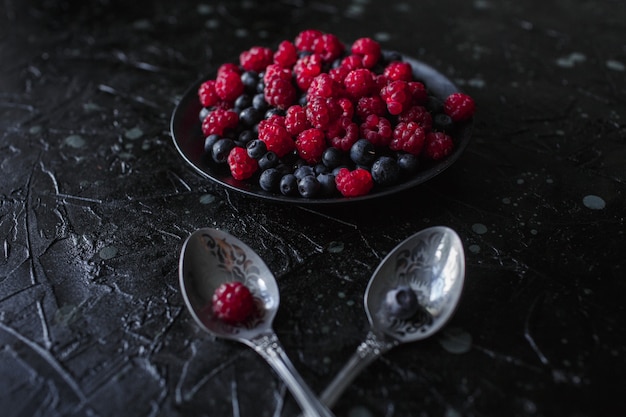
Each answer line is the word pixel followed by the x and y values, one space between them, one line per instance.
pixel 315 119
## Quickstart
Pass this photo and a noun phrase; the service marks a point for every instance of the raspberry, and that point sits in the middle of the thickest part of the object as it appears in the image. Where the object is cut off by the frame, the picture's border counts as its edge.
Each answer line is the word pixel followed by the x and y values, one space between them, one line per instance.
pixel 460 107
pixel 418 114
pixel 306 39
pixel 352 62
pixel 207 95
pixel 276 138
pixel 307 68
pixel 343 133
pixel 359 83
pixel 311 144
pixel 241 165
pixel 276 71
pixel 256 58
pixel 408 137
pixel 346 106
pixel 328 46
pixel 418 92
pixel 321 112
pixel 228 67
pixel 370 105
pixel 323 86
pixel 219 121
pixel 377 130
pixel 339 73
pixel 368 49
pixel 280 92
pixel 286 55
pixel 354 183
pixel 233 303
pixel 295 120
pixel 438 145
pixel 397 96
pixel 398 70
pixel 228 86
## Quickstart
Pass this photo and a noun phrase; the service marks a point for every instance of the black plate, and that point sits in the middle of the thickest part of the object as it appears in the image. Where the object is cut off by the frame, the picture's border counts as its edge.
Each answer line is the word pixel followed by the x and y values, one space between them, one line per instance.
pixel 187 134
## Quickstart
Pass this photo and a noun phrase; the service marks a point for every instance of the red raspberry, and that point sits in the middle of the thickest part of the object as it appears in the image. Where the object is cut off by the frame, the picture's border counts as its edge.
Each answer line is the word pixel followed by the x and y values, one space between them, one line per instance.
pixel 418 114
pixel 397 96
pixel 354 183
pixel 352 62
pixel 305 39
pixel 370 105
pixel 343 133
pixel 219 121
pixel 228 86
pixel 438 145
pixel 295 120
pixel 346 106
pixel 381 81
pixel 276 71
pixel 369 51
pixel 377 130
pixel 256 58
pixel 398 70
pixel 307 68
pixel 323 86
pixel 359 83
pixel 418 92
pixel 460 107
pixel 310 145
pixel 408 137
pixel 228 67
pixel 328 46
pixel 276 138
pixel 207 95
pixel 279 92
pixel 321 112
pixel 339 73
pixel 286 55
pixel 233 303
pixel 241 165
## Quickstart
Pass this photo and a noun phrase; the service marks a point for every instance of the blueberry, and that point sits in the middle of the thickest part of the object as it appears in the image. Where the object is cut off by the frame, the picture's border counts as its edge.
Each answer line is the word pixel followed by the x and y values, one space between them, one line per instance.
pixel 274 111
pixel 221 149
pixel 256 148
pixel 259 103
pixel 328 187
pixel 289 185
pixel 304 171
pixel 204 113
pixel 250 116
pixel 268 160
pixel 308 186
pixel 250 80
pixel 408 163
pixel 242 102
pixel 442 121
pixel 210 141
pixel 389 56
pixel 270 179
pixel 321 169
pixel 401 302
pixel 332 157
pixel 385 171
pixel 363 152
pixel 245 137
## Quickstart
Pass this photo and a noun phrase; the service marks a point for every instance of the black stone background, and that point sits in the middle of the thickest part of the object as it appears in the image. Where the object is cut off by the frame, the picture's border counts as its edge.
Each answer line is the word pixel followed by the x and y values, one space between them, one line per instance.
pixel 95 203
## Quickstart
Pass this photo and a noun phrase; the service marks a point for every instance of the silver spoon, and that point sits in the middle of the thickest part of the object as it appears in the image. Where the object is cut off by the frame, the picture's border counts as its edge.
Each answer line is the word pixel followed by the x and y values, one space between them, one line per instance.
pixel 432 264
pixel 210 257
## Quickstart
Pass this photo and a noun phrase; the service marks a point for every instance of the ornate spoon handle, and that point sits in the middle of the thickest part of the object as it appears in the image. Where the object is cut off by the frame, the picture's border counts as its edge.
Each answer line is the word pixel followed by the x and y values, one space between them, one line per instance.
pixel 369 350
pixel 268 346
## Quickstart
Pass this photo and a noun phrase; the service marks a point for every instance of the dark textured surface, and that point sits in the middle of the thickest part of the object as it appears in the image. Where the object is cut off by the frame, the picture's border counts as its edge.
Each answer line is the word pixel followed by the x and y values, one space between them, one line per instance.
pixel 95 204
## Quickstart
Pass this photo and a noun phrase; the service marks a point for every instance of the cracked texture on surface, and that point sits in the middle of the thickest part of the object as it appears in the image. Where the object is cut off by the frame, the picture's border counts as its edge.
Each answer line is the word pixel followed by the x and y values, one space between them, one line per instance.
pixel 95 204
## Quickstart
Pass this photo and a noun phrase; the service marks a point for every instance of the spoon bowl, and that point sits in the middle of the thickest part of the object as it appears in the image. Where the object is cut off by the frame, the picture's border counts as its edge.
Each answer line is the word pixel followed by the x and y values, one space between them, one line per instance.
pixel 432 264
pixel 211 257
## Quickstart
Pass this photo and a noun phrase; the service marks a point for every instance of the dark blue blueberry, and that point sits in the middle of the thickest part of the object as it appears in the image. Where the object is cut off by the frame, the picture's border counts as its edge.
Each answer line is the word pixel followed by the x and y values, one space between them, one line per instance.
pixel 321 169
pixel 308 186
pixel 269 160
pixel 209 141
pixel 250 80
pixel 256 148
pixel 304 171
pixel 259 102
pixel 245 137
pixel 242 102
pixel 385 171
pixel 328 187
pixel 390 56
pixel 442 121
pixel 408 163
pixel 270 179
pixel 221 149
pixel 250 116
pixel 363 152
pixel 204 113
pixel 289 185
pixel 274 111
pixel 332 157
